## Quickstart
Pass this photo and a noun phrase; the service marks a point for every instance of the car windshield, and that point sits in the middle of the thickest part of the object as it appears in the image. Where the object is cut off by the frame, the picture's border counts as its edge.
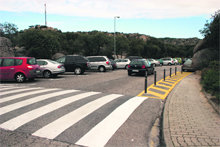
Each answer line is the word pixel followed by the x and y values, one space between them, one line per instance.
pixel 31 61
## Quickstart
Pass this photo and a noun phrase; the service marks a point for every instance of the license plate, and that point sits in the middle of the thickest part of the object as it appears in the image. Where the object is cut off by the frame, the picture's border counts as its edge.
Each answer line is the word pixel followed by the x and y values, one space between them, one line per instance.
pixel 37 71
pixel 135 70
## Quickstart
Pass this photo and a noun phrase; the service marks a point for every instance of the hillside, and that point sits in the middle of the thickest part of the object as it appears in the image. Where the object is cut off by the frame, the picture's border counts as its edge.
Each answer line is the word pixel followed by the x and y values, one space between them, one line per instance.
pixel 180 41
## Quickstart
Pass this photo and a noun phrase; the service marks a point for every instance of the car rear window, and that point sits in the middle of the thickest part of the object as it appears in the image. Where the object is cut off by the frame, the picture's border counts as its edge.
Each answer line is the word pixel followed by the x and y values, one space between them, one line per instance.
pixel 31 61
pixel 137 62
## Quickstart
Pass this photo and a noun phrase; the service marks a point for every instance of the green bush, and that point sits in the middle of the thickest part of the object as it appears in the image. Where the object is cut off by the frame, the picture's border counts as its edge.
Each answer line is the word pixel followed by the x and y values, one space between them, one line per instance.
pixel 210 79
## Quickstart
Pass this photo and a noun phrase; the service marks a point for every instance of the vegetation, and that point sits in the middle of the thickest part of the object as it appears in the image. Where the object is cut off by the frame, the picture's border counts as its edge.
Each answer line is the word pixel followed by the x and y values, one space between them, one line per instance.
pixel 44 42
pixel 210 75
pixel 210 79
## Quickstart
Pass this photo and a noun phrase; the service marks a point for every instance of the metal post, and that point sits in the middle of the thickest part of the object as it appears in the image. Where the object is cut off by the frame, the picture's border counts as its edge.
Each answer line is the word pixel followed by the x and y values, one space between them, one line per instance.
pixel 115 35
pixel 175 70
pixel 145 82
pixel 164 74
pixel 155 78
pixel 170 72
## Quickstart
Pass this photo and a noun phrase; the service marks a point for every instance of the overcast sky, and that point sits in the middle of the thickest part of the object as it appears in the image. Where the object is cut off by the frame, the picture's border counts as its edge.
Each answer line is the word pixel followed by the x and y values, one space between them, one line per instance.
pixel 158 18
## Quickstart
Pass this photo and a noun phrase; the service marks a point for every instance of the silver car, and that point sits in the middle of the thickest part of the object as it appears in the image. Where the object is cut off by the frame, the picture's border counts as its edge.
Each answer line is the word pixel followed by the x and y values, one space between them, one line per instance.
pixel 168 61
pixel 154 62
pixel 50 68
pixel 101 63
pixel 122 63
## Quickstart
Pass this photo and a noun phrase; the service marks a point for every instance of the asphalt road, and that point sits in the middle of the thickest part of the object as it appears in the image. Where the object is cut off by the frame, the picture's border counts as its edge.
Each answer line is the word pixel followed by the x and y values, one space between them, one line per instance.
pixel 114 116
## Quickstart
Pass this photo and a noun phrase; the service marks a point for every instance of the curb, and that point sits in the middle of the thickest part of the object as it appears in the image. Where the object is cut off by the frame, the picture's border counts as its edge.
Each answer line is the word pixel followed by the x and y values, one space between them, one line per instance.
pixel 155 133
pixel 165 124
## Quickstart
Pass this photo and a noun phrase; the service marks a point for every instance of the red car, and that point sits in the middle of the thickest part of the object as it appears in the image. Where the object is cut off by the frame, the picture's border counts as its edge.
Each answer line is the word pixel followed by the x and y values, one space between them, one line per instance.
pixel 18 68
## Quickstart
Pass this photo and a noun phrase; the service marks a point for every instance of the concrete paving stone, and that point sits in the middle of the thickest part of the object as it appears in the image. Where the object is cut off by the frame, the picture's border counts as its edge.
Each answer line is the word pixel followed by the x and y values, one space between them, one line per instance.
pixel 201 123
pixel 188 136
pixel 176 144
pixel 183 144
pixel 203 137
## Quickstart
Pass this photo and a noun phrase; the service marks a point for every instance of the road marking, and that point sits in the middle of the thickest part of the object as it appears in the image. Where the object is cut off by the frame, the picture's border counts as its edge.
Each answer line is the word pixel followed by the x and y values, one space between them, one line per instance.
pixel 24 94
pixel 17 90
pixel 102 132
pixel 169 83
pixel 7 88
pixel 31 115
pixel 33 100
pixel 56 127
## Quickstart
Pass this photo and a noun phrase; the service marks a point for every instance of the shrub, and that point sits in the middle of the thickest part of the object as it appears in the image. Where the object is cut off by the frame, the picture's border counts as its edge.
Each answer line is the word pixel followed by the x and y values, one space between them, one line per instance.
pixel 210 79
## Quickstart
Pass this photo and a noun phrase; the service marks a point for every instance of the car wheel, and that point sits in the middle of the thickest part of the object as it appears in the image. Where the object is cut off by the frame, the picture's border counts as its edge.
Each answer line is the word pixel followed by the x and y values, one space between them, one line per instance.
pixel 169 63
pixel 47 74
pixel 78 71
pixel 20 77
pixel 129 73
pixel 126 67
pixel 102 69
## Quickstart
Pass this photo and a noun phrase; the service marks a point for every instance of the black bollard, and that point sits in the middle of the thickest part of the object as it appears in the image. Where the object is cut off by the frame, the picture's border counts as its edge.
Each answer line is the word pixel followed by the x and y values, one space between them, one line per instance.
pixel 155 78
pixel 164 74
pixel 170 72
pixel 175 70
pixel 145 82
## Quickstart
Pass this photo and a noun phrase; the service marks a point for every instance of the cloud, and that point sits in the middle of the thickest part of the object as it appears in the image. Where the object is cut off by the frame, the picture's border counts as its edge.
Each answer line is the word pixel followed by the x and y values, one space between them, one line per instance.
pixel 156 9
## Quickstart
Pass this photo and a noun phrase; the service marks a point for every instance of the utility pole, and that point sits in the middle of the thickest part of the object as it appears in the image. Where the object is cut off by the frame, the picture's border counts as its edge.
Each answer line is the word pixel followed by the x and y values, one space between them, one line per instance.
pixel 115 35
pixel 45 14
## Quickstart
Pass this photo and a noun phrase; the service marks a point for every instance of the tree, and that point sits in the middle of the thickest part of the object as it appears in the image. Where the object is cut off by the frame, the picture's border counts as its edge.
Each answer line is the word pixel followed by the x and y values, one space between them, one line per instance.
pixel 40 43
pixel 10 31
pixel 211 31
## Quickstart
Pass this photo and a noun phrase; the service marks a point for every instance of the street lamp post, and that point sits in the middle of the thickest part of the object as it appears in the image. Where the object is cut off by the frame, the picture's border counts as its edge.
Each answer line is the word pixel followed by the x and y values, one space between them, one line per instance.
pixel 115 34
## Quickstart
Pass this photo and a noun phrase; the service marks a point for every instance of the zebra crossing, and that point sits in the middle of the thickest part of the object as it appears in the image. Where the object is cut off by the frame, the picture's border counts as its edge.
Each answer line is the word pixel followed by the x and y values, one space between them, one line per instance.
pixel 78 117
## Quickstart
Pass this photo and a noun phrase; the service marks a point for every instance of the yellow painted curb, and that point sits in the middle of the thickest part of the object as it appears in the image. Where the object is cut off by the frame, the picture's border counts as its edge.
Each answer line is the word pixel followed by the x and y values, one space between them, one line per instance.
pixel 178 77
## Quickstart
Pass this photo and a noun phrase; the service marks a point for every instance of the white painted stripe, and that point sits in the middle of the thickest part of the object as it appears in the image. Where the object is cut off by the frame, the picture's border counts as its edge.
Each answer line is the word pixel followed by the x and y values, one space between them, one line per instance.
pixel 33 100
pixel 18 121
pixel 17 96
pixel 102 132
pixel 56 127
pixel 7 88
pixel 17 90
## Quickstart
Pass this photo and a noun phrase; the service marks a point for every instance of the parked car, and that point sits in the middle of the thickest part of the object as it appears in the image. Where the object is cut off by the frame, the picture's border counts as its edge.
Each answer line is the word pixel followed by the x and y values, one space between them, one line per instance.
pixel 168 61
pixel 140 66
pixel 187 66
pixel 175 61
pixel 101 63
pixel 50 68
pixel 122 63
pixel 18 68
pixel 134 57
pixel 160 61
pixel 74 63
pixel 154 62
pixel 113 63
pixel 179 60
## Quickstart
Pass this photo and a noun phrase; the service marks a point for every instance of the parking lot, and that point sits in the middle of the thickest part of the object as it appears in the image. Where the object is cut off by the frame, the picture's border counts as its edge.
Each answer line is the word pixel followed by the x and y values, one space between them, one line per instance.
pixel 113 81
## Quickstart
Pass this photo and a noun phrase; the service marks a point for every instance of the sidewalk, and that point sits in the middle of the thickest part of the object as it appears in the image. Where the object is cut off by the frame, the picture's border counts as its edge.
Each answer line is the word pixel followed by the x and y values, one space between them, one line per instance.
pixel 189 120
